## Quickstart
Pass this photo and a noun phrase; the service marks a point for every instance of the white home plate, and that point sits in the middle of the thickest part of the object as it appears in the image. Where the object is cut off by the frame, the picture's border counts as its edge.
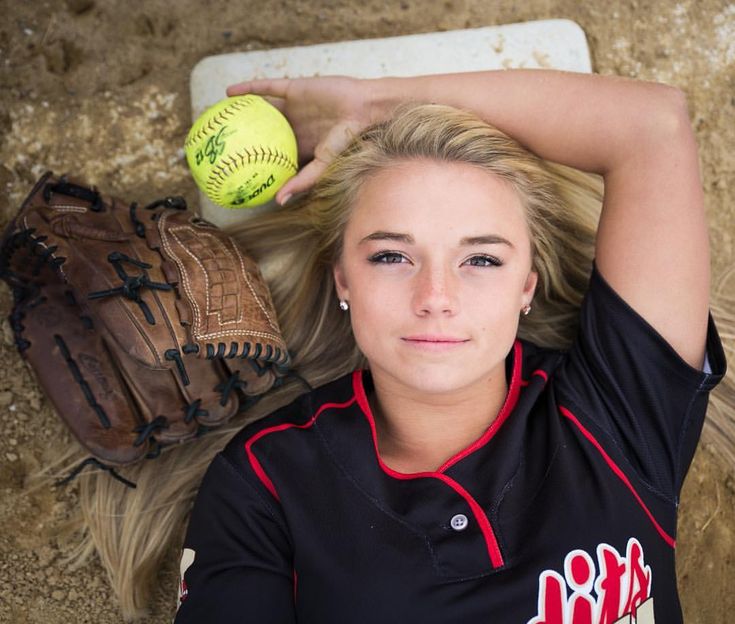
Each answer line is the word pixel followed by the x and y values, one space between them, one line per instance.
pixel 557 44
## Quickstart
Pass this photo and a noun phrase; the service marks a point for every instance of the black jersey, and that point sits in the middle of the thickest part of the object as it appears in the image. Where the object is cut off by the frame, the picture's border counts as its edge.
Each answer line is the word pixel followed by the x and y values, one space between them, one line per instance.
pixel 563 511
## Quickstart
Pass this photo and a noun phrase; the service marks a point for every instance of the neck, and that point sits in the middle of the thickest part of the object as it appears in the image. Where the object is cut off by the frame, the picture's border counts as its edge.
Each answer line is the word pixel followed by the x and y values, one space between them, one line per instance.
pixel 419 433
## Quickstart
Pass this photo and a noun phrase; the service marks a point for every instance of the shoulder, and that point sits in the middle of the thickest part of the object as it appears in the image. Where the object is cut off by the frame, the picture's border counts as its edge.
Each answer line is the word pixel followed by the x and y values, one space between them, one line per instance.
pixel 299 414
pixel 612 329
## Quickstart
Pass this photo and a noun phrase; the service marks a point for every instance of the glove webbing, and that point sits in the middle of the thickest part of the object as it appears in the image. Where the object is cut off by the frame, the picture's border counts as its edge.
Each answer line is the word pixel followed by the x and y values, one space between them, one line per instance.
pixel 132 284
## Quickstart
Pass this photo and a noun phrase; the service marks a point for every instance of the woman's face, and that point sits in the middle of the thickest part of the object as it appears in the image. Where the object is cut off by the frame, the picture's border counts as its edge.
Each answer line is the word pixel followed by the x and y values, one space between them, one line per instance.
pixel 436 266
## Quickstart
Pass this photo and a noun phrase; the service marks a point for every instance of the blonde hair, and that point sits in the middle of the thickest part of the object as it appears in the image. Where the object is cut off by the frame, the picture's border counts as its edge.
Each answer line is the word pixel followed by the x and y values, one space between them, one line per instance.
pixel 296 247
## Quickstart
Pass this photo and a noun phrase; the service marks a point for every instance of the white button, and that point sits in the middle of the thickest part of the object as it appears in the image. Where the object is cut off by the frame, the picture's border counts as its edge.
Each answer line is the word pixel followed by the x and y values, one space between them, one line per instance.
pixel 459 522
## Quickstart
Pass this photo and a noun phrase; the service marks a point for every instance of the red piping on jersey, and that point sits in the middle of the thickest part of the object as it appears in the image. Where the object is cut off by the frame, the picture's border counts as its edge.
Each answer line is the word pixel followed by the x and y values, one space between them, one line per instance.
pixel 511 399
pixel 254 460
pixel 496 557
pixel 619 473
pixel 510 402
pixel 540 373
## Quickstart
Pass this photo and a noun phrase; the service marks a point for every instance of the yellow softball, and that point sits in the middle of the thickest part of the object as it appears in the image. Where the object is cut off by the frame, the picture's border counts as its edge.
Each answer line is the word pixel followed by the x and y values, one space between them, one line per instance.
pixel 241 151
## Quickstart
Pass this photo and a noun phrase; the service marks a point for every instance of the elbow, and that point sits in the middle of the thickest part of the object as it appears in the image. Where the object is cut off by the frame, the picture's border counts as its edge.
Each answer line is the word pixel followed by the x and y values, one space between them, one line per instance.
pixel 669 118
pixel 661 124
pixel 658 123
pixel 677 100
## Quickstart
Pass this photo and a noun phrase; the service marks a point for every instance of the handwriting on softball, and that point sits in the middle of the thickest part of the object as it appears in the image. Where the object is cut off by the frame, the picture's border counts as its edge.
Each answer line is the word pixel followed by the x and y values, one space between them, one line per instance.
pixel 213 148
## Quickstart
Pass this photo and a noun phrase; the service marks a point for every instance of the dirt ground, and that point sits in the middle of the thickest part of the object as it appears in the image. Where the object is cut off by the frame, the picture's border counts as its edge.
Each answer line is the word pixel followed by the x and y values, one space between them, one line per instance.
pixel 100 88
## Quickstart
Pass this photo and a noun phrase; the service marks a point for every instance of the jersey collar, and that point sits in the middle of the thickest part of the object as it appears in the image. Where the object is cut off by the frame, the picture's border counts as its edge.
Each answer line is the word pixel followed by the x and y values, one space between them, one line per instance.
pixel 361 378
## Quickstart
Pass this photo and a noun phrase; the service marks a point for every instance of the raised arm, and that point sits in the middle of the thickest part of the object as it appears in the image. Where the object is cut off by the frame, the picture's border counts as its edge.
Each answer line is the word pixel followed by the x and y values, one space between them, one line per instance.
pixel 652 244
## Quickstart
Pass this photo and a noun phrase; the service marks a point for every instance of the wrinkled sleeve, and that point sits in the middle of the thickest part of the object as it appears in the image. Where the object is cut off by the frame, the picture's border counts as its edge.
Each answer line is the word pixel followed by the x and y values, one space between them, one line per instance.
pixel 626 382
pixel 237 557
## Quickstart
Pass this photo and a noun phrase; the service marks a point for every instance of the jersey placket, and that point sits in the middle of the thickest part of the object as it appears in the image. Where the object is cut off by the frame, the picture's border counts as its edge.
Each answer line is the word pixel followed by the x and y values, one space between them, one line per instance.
pixel 450 535
pixel 493 549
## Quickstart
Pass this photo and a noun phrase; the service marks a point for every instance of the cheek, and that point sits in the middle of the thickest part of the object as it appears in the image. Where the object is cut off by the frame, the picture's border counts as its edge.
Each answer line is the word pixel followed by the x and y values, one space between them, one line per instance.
pixel 380 312
pixel 493 311
pixel 375 309
pixel 492 318
pixel 494 295
pixel 371 333
pixel 373 289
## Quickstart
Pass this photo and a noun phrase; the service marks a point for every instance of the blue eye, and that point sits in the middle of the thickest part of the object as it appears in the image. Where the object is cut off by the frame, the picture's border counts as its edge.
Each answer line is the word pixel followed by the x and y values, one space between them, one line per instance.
pixel 483 261
pixel 387 257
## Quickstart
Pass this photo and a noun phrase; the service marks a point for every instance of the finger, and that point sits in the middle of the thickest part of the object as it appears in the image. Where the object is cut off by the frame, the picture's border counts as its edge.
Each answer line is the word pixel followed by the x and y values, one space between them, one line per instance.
pixel 302 181
pixel 242 89
pixel 276 87
pixel 279 103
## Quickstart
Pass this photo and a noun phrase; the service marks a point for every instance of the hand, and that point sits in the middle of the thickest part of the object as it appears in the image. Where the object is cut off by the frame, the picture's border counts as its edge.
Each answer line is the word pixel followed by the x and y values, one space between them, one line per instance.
pixel 325 113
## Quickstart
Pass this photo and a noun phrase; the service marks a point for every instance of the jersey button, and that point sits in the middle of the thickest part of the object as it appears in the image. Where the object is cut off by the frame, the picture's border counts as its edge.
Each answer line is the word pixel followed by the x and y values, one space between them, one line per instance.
pixel 459 522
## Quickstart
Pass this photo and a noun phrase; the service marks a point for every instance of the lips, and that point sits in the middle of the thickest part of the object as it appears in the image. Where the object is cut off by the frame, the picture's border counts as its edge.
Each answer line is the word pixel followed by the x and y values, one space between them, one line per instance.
pixel 434 342
pixel 433 338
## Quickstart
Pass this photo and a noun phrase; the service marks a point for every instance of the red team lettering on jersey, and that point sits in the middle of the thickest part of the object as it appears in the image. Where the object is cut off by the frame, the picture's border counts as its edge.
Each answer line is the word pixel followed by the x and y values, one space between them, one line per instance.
pixel 187 558
pixel 616 591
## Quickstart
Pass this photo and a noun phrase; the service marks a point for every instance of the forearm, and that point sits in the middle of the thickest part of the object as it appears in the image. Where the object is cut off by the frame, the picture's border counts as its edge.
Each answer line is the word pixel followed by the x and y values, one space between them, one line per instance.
pixel 587 121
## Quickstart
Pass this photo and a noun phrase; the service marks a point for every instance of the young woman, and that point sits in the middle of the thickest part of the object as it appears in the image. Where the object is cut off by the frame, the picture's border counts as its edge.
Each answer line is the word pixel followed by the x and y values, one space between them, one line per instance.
pixel 479 448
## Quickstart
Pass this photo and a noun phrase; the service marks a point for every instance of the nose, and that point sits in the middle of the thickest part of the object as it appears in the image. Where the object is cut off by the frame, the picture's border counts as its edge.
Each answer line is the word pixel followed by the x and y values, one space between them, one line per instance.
pixel 435 292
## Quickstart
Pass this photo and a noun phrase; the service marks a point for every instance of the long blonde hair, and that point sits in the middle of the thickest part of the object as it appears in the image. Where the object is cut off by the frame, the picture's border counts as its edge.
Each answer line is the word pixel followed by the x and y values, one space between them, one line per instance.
pixel 296 247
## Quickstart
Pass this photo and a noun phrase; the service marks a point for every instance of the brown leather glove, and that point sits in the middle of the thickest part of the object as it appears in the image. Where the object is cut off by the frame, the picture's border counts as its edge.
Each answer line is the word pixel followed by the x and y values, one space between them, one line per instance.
pixel 145 326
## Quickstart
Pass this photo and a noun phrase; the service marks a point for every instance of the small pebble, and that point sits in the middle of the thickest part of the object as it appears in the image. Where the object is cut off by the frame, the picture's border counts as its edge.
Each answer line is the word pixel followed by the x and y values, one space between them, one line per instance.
pixel 6 398
pixel 11 457
pixel 79 6
pixel 57 594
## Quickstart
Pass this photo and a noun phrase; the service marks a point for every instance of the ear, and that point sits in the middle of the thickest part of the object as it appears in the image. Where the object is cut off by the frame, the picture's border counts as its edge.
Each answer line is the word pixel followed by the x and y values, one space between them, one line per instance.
pixel 529 288
pixel 340 281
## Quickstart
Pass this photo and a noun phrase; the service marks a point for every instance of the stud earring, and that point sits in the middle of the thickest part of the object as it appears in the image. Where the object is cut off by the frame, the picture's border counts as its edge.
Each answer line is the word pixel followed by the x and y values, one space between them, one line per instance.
pixel 526 309
pixel 343 305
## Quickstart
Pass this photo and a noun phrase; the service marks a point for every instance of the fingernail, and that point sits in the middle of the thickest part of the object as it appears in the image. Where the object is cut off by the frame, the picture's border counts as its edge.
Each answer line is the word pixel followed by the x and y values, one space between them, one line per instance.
pixel 285 199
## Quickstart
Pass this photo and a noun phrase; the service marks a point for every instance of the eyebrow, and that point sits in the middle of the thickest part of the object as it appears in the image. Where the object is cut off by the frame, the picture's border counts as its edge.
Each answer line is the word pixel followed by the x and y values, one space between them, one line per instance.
pixel 380 235
pixel 487 239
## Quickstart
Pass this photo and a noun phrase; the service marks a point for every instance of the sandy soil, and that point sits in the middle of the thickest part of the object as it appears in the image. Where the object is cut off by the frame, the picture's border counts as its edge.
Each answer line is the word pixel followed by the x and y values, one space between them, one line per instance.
pixel 100 88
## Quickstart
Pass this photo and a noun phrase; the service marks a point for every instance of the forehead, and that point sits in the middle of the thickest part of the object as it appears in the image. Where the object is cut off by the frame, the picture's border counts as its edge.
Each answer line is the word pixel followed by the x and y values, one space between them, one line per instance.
pixel 437 199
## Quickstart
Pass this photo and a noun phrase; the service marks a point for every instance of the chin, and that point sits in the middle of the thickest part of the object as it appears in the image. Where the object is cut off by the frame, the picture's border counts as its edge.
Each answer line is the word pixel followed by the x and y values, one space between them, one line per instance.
pixel 437 380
